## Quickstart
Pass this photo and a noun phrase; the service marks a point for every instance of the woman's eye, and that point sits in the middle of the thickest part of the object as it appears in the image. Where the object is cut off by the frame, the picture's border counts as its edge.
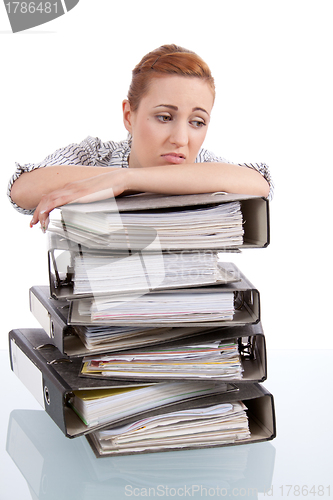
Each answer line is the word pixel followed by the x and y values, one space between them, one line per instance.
pixel 198 123
pixel 164 118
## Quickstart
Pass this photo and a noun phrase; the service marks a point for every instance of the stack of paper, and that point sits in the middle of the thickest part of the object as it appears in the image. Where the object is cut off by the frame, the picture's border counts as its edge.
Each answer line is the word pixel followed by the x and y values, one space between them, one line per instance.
pixel 178 306
pixel 96 338
pixel 106 273
pixel 220 424
pixel 108 405
pixel 178 229
pixel 100 338
pixel 205 360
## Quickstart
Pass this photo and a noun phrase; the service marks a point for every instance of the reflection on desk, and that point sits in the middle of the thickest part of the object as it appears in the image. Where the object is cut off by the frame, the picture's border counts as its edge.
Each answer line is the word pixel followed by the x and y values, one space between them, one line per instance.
pixel 56 467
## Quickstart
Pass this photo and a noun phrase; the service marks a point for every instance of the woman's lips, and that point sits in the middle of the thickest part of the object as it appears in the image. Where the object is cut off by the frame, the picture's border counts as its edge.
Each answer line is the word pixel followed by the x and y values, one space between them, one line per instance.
pixel 174 158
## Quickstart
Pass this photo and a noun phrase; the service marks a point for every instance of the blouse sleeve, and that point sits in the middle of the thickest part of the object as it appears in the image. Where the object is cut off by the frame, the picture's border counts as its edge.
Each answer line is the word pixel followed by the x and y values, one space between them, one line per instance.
pixel 86 152
pixel 262 168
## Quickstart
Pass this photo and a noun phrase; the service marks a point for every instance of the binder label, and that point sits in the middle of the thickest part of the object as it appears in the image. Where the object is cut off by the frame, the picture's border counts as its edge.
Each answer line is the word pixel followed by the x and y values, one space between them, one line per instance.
pixel 27 372
pixel 39 311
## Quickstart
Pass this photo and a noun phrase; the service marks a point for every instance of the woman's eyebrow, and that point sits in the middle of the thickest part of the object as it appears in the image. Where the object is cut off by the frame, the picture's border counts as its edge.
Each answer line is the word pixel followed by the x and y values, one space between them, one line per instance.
pixel 170 106
pixel 200 109
pixel 175 108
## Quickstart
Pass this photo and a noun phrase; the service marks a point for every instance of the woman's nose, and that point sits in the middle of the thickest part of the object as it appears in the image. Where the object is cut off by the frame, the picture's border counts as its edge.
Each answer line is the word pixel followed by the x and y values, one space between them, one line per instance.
pixel 179 134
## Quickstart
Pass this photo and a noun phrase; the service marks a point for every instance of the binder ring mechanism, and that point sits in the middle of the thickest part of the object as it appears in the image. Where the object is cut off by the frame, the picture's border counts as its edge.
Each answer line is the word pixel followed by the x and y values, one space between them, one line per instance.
pixel 247 349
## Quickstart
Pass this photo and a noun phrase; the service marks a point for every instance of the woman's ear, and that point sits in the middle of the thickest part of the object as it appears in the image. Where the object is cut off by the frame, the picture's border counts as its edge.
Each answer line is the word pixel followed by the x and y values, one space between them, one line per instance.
pixel 127 116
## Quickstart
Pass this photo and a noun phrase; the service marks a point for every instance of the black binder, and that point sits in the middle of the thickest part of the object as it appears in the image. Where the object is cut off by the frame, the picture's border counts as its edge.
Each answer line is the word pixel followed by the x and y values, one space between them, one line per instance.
pixel 56 317
pixel 246 298
pixel 52 377
pixel 61 266
pixel 255 210
pixel 250 339
pixel 260 412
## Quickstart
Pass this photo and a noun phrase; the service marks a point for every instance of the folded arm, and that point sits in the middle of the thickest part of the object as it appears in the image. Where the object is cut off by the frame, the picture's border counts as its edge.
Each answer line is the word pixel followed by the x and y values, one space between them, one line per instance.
pixel 198 178
pixel 90 185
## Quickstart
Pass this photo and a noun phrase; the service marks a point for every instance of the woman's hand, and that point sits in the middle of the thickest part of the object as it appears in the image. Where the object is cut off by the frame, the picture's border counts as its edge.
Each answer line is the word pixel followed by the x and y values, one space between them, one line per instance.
pixel 100 187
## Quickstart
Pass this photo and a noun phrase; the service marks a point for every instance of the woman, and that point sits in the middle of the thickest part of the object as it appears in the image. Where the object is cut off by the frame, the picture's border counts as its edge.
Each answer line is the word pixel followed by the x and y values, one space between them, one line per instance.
pixel 167 113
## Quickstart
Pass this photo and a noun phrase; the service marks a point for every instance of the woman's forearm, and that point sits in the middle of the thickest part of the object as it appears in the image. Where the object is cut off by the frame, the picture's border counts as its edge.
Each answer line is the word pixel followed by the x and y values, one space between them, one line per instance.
pixel 168 179
pixel 29 188
pixel 197 178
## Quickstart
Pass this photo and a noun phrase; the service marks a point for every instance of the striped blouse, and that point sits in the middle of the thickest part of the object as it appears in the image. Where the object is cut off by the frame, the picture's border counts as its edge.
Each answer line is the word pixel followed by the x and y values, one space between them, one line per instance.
pixel 93 152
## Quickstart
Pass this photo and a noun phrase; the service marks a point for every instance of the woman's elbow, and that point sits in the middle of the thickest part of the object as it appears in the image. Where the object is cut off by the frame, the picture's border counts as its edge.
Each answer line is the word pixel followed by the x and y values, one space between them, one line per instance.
pixel 22 195
pixel 259 185
pixel 244 180
pixel 264 188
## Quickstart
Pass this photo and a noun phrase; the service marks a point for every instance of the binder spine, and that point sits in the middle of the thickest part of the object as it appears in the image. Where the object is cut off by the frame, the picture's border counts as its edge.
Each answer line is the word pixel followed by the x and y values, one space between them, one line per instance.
pixel 38 375
pixel 54 325
pixel 40 313
pixel 261 412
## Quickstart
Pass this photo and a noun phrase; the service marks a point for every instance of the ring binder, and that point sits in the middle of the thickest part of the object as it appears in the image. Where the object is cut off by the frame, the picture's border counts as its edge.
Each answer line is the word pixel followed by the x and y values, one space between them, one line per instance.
pixel 62 281
pixel 254 368
pixel 246 311
pixel 261 417
pixel 63 323
pixel 254 209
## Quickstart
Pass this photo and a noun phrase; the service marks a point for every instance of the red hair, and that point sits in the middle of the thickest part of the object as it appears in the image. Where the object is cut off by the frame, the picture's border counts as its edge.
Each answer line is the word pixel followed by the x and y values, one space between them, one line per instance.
pixel 166 60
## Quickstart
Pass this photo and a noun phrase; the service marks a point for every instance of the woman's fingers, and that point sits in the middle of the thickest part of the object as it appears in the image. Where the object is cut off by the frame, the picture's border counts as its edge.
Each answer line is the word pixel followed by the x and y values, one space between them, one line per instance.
pixel 49 202
pixel 83 191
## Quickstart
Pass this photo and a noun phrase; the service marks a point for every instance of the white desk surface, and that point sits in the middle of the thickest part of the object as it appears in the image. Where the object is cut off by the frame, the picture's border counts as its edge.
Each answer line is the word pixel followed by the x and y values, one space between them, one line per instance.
pixel 40 463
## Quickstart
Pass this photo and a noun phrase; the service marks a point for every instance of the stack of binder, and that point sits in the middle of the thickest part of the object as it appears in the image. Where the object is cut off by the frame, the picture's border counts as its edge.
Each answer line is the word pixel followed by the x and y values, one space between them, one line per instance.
pixel 149 342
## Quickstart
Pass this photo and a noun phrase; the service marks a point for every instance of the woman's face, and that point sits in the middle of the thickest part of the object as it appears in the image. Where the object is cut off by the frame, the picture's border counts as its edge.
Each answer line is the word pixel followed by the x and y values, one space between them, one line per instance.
pixel 171 121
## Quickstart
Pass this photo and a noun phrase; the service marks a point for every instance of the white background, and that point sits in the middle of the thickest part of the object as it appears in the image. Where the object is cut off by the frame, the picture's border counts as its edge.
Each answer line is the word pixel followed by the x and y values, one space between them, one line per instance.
pixel 272 63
